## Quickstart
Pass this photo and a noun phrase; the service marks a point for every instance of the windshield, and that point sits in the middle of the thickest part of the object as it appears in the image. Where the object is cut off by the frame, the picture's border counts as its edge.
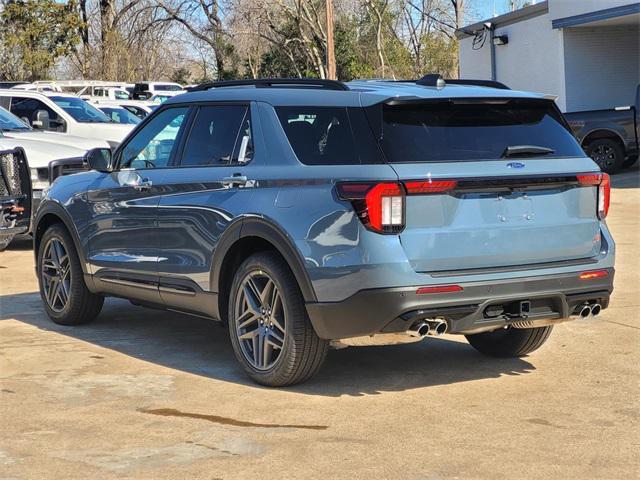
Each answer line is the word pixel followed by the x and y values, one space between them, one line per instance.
pixel 471 130
pixel 10 123
pixel 120 115
pixel 80 110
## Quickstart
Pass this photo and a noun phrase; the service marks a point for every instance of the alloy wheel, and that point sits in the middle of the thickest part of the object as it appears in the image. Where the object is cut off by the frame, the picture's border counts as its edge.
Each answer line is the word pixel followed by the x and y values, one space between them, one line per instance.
pixel 56 275
pixel 604 156
pixel 260 320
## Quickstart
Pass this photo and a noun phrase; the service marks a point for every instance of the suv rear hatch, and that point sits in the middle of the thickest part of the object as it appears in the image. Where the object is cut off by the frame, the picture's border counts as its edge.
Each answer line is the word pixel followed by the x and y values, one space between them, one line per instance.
pixel 490 183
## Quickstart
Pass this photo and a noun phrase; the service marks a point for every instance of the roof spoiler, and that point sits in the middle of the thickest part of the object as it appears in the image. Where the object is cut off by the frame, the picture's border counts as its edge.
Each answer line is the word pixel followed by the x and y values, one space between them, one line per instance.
pixel 312 83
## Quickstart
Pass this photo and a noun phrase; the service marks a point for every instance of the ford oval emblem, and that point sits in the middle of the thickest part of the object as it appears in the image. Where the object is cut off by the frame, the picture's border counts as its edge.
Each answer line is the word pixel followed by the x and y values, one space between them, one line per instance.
pixel 515 165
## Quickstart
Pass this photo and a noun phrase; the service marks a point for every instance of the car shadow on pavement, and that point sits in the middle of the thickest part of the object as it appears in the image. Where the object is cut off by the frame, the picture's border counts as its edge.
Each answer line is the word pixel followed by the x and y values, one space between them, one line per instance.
pixel 201 347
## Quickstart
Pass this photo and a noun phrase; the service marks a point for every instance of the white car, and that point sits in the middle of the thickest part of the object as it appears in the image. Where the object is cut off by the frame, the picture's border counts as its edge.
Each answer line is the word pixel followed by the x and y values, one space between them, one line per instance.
pixel 13 127
pixel 93 92
pixel 140 108
pixel 61 112
pixel 118 114
pixel 145 90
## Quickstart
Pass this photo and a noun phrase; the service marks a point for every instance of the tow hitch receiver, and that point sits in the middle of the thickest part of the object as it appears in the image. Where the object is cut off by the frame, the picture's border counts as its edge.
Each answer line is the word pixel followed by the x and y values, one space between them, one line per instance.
pixel 521 309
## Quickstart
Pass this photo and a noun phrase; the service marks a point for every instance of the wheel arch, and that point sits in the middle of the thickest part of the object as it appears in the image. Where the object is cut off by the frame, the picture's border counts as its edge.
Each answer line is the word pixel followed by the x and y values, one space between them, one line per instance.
pixel 600 133
pixel 49 214
pixel 250 235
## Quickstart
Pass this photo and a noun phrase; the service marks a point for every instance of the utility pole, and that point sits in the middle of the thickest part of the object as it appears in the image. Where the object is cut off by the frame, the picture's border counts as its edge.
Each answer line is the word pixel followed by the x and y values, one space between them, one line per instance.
pixel 331 54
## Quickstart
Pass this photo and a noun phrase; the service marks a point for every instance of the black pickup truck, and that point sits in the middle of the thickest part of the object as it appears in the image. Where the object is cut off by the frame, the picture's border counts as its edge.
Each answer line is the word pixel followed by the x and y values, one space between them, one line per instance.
pixel 15 195
pixel 610 137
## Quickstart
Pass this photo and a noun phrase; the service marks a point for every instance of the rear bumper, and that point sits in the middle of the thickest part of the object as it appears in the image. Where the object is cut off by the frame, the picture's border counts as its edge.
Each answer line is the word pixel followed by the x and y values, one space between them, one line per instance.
pixel 392 310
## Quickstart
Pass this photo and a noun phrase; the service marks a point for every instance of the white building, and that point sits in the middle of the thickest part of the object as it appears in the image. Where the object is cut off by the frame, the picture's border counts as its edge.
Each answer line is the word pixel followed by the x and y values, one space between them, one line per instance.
pixel 587 52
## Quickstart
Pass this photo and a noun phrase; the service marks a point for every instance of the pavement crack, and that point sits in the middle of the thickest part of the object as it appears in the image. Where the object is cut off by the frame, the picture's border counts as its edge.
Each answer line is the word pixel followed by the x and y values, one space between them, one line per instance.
pixel 172 412
pixel 623 324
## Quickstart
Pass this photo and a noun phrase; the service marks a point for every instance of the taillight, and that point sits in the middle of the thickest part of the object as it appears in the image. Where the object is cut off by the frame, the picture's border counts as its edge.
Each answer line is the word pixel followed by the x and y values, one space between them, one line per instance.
pixel 603 182
pixel 380 206
pixel 418 187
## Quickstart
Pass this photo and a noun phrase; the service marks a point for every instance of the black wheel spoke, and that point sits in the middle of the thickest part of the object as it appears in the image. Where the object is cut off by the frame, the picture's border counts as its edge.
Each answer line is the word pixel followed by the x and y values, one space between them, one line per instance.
pixel 55 274
pixel 259 320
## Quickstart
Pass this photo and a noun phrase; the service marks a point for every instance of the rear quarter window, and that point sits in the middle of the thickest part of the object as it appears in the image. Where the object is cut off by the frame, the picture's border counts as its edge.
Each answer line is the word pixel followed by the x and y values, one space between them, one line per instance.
pixel 325 135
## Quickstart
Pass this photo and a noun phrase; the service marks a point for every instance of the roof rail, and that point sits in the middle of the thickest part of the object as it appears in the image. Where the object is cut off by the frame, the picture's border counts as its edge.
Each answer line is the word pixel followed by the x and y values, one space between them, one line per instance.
pixel 271 82
pixel 478 83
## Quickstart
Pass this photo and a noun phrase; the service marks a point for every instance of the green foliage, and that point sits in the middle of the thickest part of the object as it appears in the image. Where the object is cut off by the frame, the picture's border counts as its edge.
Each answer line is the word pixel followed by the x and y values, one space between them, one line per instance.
pixel 34 34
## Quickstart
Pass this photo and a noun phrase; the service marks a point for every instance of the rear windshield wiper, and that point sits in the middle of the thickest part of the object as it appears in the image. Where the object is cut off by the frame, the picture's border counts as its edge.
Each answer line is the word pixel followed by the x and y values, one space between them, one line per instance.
pixel 517 150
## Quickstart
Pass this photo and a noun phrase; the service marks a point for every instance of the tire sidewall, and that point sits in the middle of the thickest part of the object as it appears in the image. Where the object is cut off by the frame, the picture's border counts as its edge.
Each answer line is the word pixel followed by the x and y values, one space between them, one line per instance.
pixel 288 295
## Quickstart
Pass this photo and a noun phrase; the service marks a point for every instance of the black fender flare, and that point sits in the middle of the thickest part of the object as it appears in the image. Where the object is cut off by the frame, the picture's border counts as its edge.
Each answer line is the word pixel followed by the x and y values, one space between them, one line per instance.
pixel 54 208
pixel 266 229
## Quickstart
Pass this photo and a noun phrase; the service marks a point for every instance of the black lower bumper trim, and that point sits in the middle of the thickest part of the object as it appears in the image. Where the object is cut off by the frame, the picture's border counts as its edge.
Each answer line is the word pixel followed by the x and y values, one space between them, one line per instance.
pixel 395 309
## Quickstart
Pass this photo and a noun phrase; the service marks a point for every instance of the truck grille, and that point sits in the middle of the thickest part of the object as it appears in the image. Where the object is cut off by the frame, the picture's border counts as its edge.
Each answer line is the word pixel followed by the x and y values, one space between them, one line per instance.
pixel 66 166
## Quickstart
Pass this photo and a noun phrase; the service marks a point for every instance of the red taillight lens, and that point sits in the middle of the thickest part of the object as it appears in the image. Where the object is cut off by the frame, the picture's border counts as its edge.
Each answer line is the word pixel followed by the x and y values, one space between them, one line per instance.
pixel 603 182
pixel 380 206
pixel 417 187
pixel 593 274
pixel 439 289
pixel 604 196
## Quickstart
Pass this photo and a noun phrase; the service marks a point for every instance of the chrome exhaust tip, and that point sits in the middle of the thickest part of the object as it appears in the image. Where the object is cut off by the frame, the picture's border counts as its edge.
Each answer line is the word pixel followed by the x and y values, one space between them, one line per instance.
pixel 585 311
pixel 419 330
pixel 437 327
pixel 596 309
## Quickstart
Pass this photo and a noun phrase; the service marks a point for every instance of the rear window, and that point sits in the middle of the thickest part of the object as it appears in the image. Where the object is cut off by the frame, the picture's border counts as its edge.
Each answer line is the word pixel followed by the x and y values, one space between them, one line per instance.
pixel 168 87
pixel 325 135
pixel 464 130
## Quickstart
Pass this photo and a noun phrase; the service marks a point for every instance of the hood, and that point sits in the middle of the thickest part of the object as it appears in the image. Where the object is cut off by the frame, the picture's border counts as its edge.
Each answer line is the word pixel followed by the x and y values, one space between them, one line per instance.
pixel 113 133
pixel 59 138
pixel 40 153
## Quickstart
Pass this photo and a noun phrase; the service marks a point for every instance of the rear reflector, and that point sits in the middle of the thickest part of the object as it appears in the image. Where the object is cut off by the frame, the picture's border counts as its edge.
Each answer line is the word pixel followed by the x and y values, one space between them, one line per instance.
pixel 593 274
pixel 439 289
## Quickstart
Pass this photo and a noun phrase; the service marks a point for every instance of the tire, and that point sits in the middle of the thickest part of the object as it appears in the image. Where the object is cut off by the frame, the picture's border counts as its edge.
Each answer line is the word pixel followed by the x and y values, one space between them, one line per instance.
pixel 4 242
pixel 510 342
pixel 72 303
pixel 630 161
pixel 607 153
pixel 271 353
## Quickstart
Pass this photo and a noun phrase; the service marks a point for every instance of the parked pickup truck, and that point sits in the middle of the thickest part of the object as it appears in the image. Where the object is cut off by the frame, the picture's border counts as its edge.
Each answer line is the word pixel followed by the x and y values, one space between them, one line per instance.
pixel 15 195
pixel 610 137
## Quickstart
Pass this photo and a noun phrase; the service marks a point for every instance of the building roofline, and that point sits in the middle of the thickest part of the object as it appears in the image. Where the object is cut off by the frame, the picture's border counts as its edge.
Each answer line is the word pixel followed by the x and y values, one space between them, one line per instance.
pixel 598 15
pixel 516 16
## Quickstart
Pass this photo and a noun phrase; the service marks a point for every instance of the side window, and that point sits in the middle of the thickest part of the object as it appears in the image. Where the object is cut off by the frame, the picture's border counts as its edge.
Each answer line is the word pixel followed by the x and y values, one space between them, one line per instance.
pixel 319 135
pixel 154 144
pixel 220 135
pixel 36 113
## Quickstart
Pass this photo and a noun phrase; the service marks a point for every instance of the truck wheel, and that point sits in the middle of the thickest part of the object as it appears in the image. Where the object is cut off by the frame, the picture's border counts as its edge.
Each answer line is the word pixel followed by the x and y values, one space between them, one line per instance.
pixel 65 296
pixel 4 242
pixel 631 160
pixel 607 153
pixel 271 334
pixel 510 342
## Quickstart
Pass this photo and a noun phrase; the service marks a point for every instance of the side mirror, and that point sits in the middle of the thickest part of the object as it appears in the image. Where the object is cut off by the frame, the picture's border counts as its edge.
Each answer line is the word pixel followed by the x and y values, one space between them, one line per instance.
pixel 100 159
pixel 41 120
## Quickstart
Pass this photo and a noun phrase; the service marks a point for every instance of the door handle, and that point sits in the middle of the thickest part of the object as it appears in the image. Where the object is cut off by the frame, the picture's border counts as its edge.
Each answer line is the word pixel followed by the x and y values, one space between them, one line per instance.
pixel 235 180
pixel 143 184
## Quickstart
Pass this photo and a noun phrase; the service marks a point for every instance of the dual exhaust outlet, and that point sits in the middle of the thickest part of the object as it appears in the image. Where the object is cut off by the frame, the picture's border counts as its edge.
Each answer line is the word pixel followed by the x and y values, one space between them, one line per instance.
pixel 433 327
pixel 587 310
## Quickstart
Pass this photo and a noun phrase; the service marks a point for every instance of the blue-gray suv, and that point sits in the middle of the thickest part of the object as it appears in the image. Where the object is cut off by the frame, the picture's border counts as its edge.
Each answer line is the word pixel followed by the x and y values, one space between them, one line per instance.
pixel 299 212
